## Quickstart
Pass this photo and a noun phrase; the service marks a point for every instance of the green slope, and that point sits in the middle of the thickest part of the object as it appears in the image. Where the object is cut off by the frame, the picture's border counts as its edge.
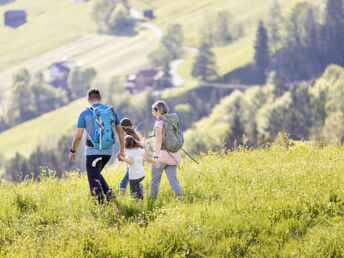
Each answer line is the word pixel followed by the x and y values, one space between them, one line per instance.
pixel 43 131
pixel 118 55
pixel 275 202
pixel 50 25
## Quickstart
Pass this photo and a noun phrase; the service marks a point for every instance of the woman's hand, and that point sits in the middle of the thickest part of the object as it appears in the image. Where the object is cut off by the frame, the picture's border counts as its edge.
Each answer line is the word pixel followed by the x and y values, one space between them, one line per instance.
pixel 157 163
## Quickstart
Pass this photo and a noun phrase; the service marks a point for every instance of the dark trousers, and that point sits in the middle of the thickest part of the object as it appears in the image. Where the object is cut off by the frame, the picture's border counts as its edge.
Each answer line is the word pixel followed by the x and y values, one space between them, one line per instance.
pixel 135 188
pixel 94 167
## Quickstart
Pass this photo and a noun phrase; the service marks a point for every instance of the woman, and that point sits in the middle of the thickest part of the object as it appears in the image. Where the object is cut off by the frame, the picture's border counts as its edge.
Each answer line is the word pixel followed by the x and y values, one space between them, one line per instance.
pixel 168 160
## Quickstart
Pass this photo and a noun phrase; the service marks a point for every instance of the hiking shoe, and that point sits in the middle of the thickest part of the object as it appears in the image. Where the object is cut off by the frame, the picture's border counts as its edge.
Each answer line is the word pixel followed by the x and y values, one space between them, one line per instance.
pixel 110 195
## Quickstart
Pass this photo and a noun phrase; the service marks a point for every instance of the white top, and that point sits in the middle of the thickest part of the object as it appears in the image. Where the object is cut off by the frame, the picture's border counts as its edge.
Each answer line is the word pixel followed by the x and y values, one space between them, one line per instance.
pixel 136 170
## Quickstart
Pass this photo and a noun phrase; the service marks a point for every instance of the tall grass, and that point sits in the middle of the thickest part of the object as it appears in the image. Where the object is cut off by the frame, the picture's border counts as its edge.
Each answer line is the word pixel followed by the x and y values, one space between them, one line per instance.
pixel 269 202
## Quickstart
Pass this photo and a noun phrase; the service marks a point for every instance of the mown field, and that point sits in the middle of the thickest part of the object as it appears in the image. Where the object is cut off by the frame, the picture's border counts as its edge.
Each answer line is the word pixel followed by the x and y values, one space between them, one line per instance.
pixel 270 202
pixel 50 25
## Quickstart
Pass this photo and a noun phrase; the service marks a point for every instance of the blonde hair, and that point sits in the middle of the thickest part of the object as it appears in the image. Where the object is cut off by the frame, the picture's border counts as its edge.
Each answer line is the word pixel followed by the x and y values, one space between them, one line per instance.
pixel 161 106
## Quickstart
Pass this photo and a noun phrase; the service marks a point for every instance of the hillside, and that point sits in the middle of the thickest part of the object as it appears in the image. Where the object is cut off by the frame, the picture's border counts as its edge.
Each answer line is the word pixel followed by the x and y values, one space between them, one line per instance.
pixel 50 25
pixel 272 202
pixel 118 55
pixel 258 112
pixel 43 131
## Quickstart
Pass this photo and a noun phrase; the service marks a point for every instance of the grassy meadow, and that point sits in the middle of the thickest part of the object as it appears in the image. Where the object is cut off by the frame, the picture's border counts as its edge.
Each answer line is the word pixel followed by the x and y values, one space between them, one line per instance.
pixel 269 202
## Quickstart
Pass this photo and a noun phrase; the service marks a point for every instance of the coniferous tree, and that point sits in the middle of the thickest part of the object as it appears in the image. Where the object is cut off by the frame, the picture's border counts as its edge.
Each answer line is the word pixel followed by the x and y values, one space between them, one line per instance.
pixel 237 130
pixel 334 32
pixel 313 59
pixel 262 54
pixel 222 34
pixel 281 86
pixel 204 65
pixel 275 25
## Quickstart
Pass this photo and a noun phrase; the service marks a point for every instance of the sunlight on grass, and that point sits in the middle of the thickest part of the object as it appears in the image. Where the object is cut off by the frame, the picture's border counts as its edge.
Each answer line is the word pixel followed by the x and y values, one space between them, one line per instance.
pixel 272 202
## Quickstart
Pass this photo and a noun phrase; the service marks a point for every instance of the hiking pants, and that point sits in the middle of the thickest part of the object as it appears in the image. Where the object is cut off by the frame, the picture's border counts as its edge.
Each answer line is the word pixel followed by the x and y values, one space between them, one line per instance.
pixel 125 180
pixel 171 173
pixel 94 166
pixel 135 188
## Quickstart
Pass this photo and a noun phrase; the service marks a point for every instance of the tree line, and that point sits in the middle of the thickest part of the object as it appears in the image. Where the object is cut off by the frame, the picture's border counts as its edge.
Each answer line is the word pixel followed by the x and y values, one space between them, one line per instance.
pixel 301 46
pixel 307 110
pixel 31 96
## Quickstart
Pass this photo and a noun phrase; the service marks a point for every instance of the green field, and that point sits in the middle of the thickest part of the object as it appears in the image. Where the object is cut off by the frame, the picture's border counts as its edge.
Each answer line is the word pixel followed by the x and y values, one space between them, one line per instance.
pixel 276 202
pixel 109 55
pixel 44 131
pixel 112 55
pixel 50 25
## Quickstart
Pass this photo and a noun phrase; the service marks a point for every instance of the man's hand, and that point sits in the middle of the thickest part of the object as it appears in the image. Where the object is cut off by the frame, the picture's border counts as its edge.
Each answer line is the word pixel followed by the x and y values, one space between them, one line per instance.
pixel 72 156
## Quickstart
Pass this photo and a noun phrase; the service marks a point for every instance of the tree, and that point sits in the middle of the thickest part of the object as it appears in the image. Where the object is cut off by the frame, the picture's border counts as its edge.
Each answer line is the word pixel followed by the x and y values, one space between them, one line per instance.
pixel 222 34
pixel 204 65
pixel 22 75
pixel 297 121
pixel 206 30
pixel 281 86
pixel 18 106
pixel 120 20
pixel 262 55
pixel 101 12
pixel 170 48
pixel 237 129
pixel 274 24
pixel 116 85
pixel 80 81
pixel 334 32
pixel 45 98
pixel 313 60
pixel 173 40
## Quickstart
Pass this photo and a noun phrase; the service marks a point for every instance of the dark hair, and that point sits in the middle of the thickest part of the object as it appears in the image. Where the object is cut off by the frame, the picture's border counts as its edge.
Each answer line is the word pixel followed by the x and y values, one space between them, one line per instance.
pixel 128 128
pixel 131 143
pixel 93 95
pixel 126 122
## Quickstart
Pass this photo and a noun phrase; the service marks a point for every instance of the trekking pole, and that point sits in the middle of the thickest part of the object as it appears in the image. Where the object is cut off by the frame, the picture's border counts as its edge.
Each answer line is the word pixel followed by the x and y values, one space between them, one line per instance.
pixel 190 157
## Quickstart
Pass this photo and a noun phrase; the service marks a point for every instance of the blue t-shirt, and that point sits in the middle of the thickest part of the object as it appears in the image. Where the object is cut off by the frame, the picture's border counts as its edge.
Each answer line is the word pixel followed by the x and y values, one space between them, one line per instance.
pixel 86 121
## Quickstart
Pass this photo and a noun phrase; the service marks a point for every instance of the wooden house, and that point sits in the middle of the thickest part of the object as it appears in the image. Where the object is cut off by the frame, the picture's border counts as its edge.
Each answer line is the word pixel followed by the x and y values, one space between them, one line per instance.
pixel 14 18
pixel 148 13
pixel 144 80
pixel 59 72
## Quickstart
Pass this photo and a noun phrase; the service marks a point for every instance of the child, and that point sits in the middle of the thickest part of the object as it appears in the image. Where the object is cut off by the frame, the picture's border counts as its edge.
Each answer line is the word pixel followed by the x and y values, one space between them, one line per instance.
pixel 128 129
pixel 135 154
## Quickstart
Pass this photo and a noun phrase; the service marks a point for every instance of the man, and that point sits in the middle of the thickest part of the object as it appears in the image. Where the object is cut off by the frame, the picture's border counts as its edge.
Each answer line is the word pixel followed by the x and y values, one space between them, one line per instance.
pixel 96 157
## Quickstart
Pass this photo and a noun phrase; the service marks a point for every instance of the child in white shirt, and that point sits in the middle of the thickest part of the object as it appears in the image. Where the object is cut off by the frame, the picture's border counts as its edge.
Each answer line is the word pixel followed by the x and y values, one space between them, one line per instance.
pixel 135 154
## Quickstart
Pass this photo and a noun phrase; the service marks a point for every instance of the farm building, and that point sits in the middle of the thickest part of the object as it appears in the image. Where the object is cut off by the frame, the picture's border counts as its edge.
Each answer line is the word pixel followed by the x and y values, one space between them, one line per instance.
pixel 144 80
pixel 14 18
pixel 148 13
pixel 59 72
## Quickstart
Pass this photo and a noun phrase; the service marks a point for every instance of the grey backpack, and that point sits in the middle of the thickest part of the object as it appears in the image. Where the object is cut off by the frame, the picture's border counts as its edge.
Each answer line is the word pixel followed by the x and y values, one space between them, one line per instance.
pixel 174 138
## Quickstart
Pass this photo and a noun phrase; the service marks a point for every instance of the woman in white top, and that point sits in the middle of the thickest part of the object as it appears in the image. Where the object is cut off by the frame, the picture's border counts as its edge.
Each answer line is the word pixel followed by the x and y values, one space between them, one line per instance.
pixel 135 154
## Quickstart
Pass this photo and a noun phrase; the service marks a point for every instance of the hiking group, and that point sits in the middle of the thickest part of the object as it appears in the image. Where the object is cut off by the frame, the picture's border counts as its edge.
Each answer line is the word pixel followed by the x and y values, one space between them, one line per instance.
pixel 99 122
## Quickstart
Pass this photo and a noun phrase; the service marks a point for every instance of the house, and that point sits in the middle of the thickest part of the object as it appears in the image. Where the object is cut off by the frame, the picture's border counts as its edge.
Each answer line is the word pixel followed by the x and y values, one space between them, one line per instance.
pixel 144 80
pixel 59 72
pixel 148 13
pixel 14 18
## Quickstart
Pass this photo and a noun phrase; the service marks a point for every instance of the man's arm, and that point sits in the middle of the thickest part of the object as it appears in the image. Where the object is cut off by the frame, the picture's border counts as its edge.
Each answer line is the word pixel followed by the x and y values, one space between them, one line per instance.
pixel 76 141
pixel 120 133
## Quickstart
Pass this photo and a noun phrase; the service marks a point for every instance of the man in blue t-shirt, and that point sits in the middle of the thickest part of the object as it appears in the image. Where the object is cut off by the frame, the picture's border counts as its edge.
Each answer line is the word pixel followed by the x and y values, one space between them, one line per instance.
pixel 96 158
